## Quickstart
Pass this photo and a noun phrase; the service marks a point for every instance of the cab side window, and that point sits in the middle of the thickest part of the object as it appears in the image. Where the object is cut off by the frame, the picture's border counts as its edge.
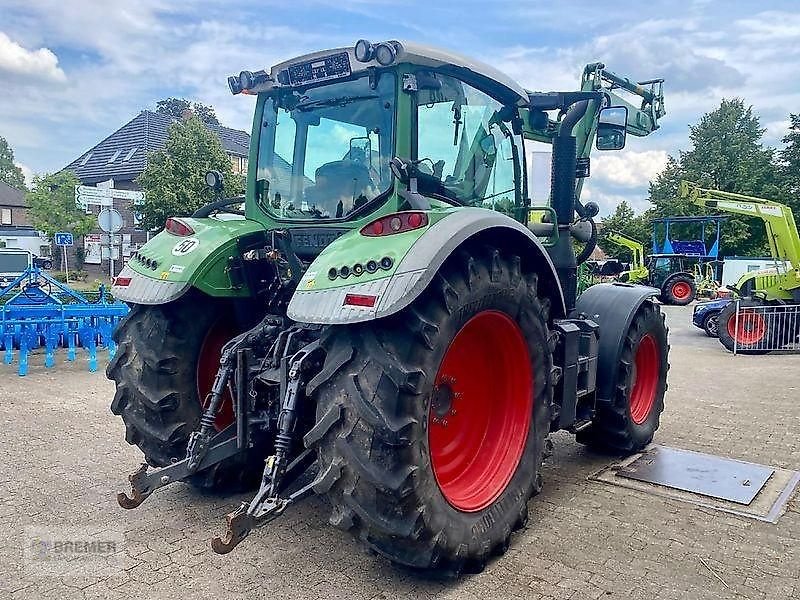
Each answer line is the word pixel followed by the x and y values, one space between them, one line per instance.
pixel 463 143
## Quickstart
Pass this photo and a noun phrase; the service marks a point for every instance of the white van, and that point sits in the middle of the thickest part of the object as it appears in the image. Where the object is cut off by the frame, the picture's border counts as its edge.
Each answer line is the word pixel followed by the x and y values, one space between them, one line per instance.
pixel 13 263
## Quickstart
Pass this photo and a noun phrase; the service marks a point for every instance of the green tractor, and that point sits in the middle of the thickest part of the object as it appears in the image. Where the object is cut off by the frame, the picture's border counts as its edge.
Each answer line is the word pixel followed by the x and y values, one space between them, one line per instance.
pixel 373 331
pixel 752 330
pixel 669 273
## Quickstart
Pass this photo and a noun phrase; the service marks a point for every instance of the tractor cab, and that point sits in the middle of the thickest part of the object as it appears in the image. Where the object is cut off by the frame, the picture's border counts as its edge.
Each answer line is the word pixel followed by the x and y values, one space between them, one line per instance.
pixel 328 125
pixel 662 266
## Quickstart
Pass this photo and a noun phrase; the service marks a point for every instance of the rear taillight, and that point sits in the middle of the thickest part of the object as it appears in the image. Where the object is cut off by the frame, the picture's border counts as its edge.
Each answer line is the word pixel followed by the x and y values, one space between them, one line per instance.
pixel 359 300
pixel 396 223
pixel 122 281
pixel 177 227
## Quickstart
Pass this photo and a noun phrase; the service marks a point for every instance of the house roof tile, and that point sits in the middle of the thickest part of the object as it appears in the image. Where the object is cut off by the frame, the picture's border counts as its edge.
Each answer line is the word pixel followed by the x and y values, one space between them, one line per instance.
pixel 122 156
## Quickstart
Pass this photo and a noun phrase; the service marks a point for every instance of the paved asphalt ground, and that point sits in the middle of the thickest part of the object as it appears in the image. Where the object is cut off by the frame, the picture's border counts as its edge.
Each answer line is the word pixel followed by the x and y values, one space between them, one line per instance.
pixel 64 458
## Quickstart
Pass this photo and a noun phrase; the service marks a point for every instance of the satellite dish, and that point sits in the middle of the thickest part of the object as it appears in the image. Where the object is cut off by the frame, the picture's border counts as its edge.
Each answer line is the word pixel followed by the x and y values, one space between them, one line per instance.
pixel 109 220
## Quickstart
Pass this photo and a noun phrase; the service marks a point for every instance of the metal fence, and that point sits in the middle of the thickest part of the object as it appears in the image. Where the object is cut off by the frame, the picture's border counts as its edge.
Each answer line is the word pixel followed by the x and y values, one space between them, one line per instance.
pixel 762 329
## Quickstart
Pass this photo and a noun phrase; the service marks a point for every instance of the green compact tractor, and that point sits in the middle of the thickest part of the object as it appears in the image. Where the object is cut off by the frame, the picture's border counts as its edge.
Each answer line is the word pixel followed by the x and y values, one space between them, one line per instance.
pixel 666 272
pixel 753 330
pixel 388 327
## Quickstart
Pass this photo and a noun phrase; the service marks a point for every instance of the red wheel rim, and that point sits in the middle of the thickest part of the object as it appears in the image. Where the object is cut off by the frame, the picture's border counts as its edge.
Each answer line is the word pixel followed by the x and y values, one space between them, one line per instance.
pixel 646 371
pixel 681 290
pixel 480 411
pixel 751 328
pixel 208 364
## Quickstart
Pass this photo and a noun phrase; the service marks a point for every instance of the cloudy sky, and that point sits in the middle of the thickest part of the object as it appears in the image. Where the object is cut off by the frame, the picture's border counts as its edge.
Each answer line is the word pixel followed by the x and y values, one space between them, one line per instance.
pixel 73 72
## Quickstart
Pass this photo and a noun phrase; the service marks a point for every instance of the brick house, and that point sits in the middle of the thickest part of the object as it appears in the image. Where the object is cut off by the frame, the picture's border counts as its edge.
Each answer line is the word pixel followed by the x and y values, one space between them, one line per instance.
pixel 117 161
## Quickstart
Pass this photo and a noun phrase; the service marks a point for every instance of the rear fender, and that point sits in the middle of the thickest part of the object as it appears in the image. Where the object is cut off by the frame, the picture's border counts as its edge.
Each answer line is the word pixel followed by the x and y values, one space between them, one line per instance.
pixel 612 306
pixel 416 256
pixel 168 265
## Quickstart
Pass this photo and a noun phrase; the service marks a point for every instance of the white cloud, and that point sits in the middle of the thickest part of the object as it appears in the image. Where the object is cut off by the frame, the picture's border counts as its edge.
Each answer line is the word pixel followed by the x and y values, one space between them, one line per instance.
pixel 628 168
pixel 40 64
pixel 609 200
pixel 27 172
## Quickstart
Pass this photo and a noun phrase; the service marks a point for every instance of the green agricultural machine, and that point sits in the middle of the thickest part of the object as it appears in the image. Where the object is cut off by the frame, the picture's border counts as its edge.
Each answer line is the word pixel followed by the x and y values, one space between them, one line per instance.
pixel 752 330
pixel 373 331
pixel 669 273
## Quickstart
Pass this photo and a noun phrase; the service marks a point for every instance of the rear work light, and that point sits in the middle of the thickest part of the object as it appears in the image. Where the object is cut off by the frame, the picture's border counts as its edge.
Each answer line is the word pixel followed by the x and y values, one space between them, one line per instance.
pixel 178 227
pixel 360 300
pixel 395 223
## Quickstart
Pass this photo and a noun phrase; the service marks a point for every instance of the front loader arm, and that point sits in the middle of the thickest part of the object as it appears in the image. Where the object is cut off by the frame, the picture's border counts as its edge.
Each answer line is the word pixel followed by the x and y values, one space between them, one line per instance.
pixel 598 87
pixel 631 244
pixel 778 219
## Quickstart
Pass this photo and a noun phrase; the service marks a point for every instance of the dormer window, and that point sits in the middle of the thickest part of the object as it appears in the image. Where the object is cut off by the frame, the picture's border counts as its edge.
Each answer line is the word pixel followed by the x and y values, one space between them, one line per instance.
pixel 114 157
pixel 86 159
pixel 130 154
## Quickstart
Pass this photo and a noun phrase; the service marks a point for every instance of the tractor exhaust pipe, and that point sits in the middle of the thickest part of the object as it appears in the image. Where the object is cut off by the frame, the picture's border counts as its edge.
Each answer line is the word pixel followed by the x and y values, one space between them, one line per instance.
pixel 562 194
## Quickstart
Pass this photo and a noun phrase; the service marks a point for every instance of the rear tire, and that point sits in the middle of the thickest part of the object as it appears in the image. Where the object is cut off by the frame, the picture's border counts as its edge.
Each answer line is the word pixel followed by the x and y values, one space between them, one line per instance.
pixel 157 370
pixel 679 290
pixel 630 419
pixel 398 478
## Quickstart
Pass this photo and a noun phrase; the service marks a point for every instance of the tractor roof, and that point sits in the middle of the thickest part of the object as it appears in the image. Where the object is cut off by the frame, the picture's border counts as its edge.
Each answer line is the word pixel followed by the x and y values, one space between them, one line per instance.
pixel 481 74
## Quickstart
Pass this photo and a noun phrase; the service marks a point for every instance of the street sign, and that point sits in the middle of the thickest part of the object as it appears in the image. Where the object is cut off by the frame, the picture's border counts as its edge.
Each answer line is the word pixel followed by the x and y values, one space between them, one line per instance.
pixel 109 220
pixel 64 239
pixel 87 194
pixel 132 195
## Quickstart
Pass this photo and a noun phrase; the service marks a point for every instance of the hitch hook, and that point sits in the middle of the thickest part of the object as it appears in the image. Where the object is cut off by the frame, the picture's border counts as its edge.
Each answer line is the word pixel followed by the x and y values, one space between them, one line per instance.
pixel 139 492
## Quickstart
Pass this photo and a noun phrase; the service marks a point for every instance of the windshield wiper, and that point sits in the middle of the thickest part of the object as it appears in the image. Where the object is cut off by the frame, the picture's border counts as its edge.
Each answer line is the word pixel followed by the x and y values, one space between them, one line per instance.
pixel 340 101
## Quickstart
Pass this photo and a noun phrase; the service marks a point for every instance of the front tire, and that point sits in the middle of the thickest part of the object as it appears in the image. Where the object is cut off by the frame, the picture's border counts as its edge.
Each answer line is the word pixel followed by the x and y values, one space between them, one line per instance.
pixel 165 363
pixel 445 408
pixel 710 325
pixel 628 421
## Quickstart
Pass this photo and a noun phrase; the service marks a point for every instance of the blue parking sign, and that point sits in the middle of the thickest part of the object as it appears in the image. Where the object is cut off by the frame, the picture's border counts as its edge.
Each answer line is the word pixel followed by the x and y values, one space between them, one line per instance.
pixel 64 239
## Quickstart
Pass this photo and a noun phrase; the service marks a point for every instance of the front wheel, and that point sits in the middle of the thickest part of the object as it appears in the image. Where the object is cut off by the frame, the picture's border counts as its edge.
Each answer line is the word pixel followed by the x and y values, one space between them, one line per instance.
pixel 444 410
pixel 710 325
pixel 629 419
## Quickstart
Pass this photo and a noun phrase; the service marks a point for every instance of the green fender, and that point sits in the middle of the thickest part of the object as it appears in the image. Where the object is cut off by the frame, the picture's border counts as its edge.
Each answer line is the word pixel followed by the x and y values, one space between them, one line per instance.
pixel 324 296
pixel 169 265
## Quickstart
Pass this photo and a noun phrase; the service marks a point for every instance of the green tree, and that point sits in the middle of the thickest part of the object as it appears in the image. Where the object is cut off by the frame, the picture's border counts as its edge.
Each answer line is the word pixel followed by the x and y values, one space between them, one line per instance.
pixel 176 107
pixel 53 207
pixel 174 179
pixel 9 172
pixel 727 154
pixel 789 164
pixel 624 220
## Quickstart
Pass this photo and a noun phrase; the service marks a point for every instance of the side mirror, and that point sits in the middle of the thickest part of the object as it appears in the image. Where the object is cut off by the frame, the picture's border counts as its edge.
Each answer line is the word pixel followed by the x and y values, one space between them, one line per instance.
pixel 611 128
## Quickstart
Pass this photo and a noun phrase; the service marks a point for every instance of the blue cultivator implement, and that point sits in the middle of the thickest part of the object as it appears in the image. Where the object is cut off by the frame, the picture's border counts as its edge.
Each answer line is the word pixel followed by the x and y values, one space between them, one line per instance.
pixel 39 311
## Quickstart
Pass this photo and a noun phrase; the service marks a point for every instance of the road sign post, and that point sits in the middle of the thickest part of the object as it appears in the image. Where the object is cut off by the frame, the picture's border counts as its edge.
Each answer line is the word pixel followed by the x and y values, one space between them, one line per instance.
pixel 110 221
pixel 64 239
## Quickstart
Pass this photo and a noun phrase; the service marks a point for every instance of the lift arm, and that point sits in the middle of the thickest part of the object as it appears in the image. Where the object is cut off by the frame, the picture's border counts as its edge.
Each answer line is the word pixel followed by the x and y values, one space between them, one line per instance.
pixel 637 248
pixel 784 242
pixel 598 90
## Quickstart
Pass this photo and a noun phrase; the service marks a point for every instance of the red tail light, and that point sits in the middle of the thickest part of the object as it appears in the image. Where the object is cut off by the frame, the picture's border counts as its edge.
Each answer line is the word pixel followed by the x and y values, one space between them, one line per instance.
pixel 396 223
pixel 122 281
pixel 359 300
pixel 178 227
